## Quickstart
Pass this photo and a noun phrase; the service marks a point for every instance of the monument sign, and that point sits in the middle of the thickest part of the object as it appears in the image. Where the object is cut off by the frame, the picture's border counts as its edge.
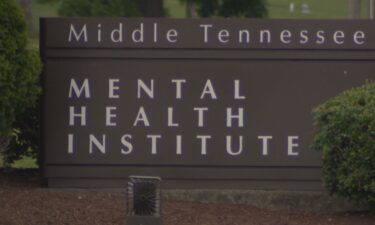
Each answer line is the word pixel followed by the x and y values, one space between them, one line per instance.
pixel 204 103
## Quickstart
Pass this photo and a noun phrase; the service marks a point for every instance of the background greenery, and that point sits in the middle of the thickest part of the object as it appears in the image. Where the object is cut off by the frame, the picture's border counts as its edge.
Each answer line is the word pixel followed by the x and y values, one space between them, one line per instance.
pixel 277 9
pixel 319 9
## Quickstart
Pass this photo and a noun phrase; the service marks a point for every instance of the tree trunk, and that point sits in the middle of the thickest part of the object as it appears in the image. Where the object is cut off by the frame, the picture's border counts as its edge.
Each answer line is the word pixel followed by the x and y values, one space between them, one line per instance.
pixel 151 8
pixel 190 9
pixel 27 10
pixel 354 9
pixel 371 7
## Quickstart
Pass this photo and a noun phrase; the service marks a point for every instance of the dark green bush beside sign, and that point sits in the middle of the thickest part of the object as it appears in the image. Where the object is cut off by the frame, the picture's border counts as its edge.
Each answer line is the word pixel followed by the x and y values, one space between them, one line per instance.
pixel 201 103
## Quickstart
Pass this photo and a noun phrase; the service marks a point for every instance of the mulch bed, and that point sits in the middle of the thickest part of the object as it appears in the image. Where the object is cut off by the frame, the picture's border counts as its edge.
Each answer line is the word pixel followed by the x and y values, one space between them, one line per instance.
pixel 24 202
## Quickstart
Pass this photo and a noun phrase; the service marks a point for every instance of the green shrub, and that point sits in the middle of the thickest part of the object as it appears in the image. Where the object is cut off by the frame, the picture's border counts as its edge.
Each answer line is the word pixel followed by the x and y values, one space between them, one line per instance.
pixel 25 137
pixel 346 135
pixel 19 70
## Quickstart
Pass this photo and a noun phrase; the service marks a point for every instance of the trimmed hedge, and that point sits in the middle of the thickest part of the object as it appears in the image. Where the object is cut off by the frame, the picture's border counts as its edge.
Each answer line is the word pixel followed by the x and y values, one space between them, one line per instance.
pixel 345 133
pixel 19 70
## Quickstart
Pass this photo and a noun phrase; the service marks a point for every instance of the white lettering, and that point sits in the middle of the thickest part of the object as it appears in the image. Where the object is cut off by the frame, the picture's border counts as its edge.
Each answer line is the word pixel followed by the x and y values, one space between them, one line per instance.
pixel 244 34
pixel 265 143
pixel 178 144
pixel 137 34
pixel 125 141
pixel 338 37
pixel 208 89
pixel 171 123
pixel 320 37
pixel 237 94
pixel 109 116
pixel 70 144
pixel 205 31
pixel 113 87
pixel 99 33
pixel 73 114
pixel 229 145
pixel 359 37
pixel 155 32
pixel 154 143
pixel 99 145
pixel 141 116
pixel 239 117
pixel 148 90
pixel 265 34
pixel 78 91
pixel 285 36
pixel 223 36
pixel 203 139
pixel 304 37
pixel 116 34
pixel 73 32
pixel 292 144
pixel 178 83
pixel 172 36
pixel 201 115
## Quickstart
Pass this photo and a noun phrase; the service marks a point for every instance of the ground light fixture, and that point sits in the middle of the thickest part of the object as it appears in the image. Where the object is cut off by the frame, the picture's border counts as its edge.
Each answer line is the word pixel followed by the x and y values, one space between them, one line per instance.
pixel 143 200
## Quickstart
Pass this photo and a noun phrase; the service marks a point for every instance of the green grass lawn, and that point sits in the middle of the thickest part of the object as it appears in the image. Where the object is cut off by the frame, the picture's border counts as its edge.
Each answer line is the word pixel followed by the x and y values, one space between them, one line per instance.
pixel 319 9
pixel 175 8
pixel 41 10
pixel 24 163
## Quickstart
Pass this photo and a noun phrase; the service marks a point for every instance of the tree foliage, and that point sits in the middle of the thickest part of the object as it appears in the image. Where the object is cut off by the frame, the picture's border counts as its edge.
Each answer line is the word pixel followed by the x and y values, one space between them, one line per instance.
pixel 230 8
pixel 106 8
pixel 346 136
pixel 19 68
pixel 109 8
